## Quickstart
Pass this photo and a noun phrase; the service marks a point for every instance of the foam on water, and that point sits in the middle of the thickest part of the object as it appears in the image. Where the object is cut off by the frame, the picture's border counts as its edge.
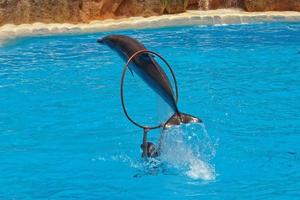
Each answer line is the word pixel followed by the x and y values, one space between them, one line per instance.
pixel 185 149
pixel 189 149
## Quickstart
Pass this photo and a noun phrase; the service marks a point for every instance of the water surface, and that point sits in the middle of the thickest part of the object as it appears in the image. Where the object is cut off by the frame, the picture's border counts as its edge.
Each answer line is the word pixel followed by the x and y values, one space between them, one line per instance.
pixel 63 134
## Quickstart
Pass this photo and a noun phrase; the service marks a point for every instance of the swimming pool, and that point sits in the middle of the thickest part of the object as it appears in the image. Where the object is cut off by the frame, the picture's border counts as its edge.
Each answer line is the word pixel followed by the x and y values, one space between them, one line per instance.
pixel 63 134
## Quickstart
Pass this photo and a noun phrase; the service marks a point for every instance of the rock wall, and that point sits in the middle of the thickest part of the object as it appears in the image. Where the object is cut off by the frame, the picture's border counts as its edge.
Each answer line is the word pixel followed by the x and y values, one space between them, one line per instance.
pixel 193 4
pixel 215 4
pixel 272 5
pixel 248 5
pixel 76 11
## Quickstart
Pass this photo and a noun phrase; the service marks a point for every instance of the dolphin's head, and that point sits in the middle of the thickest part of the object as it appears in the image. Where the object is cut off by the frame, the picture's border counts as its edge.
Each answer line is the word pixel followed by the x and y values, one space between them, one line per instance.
pixel 125 46
pixel 119 43
pixel 109 40
pixel 115 40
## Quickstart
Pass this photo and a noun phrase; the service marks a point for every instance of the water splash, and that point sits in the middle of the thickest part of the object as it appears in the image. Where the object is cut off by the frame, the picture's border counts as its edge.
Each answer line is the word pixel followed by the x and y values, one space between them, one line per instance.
pixel 185 149
pixel 152 166
pixel 189 149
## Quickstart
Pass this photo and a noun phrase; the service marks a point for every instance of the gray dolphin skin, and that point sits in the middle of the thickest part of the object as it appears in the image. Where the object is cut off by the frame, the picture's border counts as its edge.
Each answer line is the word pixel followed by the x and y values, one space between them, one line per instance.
pixel 150 71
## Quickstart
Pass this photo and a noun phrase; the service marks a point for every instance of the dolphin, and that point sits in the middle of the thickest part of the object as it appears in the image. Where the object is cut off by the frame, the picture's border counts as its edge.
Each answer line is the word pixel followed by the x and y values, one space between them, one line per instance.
pixel 151 72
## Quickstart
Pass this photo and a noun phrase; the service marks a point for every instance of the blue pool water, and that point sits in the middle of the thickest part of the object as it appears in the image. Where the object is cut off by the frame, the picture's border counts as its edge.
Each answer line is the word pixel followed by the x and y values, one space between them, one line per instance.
pixel 63 134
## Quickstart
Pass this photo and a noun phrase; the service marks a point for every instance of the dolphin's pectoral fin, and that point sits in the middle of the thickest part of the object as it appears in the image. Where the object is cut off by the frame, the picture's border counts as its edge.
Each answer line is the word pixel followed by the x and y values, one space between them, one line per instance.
pixel 129 66
pixel 131 71
pixel 181 118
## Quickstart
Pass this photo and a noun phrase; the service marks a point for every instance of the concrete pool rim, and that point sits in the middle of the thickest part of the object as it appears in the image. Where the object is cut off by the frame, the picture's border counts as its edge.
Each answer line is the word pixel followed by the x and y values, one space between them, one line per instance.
pixel 191 17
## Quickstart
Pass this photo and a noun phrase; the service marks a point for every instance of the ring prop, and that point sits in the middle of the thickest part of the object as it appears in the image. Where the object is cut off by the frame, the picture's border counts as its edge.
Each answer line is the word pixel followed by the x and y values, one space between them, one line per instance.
pixel 122 86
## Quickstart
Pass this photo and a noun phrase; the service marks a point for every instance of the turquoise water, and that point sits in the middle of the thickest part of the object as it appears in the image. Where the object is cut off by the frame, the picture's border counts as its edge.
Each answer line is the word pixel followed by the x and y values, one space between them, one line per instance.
pixel 63 134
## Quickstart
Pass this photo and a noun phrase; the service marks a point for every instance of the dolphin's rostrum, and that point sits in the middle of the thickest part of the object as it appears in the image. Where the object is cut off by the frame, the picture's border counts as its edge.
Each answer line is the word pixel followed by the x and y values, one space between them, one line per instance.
pixel 150 71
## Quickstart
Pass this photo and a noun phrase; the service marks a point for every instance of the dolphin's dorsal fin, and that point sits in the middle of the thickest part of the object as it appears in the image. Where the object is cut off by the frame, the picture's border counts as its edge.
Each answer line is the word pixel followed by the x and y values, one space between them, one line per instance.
pixel 131 71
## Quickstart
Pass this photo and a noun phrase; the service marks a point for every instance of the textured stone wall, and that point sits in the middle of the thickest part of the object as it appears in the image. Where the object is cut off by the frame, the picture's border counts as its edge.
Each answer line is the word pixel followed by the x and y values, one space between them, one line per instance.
pixel 248 5
pixel 215 4
pixel 272 5
pixel 76 11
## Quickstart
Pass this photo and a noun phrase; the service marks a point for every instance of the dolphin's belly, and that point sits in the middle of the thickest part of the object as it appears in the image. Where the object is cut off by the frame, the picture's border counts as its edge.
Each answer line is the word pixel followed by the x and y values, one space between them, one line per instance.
pixel 156 81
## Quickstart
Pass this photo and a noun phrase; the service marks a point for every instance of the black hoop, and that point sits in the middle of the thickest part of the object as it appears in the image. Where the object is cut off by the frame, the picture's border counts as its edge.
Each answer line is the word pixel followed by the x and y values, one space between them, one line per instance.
pixel 122 83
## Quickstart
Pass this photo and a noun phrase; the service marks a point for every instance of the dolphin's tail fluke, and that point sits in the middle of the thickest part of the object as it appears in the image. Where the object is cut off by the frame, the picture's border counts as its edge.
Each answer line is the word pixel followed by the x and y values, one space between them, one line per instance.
pixel 181 118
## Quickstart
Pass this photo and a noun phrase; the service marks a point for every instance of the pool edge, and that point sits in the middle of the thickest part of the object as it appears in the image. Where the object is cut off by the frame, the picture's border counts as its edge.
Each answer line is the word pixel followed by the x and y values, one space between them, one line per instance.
pixel 191 17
